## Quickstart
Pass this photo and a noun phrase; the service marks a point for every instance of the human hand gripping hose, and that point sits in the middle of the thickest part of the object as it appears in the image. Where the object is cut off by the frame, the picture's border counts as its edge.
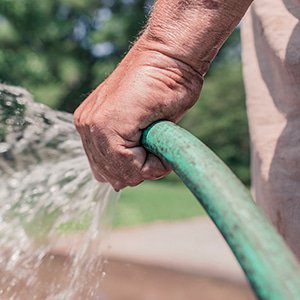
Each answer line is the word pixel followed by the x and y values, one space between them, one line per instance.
pixel 269 265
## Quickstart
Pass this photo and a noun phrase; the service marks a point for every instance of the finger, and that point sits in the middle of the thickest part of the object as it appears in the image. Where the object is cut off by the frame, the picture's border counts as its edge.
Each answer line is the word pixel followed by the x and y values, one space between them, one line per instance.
pixel 95 169
pixel 91 155
pixel 79 114
pixel 85 108
pixel 154 168
pixel 127 168
pixel 137 157
pixel 98 176
pixel 117 185
pixel 167 166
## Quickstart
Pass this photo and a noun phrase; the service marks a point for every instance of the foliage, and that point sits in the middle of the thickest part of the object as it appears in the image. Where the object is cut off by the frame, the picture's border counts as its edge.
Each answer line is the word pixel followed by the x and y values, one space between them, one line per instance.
pixel 11 113
pixel 61 49
pixel 154 201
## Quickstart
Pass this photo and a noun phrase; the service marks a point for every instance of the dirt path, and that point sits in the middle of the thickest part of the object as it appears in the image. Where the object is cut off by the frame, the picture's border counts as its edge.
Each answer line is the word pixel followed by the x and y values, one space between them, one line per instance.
pixel 136 282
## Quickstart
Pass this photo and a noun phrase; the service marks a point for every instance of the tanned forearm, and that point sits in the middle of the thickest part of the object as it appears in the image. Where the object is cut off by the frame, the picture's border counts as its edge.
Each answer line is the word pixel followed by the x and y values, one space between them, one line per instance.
pixel 192 31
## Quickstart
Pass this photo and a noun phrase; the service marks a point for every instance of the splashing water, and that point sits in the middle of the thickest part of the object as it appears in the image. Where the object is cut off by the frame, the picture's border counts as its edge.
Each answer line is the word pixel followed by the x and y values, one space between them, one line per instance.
pixel 51 210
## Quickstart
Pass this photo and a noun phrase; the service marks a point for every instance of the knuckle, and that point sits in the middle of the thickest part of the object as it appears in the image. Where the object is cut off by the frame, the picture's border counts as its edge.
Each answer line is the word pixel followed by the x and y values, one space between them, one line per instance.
pixel 128 158
pixel 127 155
pixel 97 123
pixel 81 118
pixel 117 185
pixel 134 181
pixel 153 173
pixel 77 118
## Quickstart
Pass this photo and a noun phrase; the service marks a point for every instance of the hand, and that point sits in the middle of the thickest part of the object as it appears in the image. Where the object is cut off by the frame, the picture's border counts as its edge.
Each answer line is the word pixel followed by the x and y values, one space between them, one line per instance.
pixel 146 86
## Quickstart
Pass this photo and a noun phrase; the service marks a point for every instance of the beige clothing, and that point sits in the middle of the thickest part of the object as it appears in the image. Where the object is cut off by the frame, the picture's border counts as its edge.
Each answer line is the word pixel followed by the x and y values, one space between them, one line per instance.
pixel 271 59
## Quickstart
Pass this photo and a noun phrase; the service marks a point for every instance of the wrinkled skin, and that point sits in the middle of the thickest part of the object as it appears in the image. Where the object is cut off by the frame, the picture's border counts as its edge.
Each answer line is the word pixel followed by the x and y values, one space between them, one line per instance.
pixel 146 86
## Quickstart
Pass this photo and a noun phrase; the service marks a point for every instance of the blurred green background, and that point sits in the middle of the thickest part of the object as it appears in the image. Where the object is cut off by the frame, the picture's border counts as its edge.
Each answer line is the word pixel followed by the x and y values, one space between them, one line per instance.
pixel 60 50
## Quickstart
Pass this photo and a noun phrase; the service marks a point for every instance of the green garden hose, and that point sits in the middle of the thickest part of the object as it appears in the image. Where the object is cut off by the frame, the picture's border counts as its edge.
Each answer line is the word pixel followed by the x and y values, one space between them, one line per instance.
pixel 270 267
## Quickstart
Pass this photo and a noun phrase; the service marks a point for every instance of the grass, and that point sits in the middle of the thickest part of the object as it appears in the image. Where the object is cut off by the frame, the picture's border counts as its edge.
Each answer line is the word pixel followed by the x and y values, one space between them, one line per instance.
pixel 149 202
pixel 155 201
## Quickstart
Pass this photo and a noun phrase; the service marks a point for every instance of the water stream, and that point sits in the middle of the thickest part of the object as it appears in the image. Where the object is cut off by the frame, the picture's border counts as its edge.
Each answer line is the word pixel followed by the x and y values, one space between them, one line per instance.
pixel 52 212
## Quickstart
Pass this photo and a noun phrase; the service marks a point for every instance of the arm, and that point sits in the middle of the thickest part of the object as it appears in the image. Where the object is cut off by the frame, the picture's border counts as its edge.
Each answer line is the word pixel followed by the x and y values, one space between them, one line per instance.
pixel 160 78
pixel 193 31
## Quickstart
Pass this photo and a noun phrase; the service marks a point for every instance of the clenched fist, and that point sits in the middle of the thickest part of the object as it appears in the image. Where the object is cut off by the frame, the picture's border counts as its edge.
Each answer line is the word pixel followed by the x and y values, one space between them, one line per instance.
pixel 146 86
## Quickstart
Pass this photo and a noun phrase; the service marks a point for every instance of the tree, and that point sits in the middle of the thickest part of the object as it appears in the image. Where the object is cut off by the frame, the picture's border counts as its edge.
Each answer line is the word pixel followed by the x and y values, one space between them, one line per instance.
pixel 61 49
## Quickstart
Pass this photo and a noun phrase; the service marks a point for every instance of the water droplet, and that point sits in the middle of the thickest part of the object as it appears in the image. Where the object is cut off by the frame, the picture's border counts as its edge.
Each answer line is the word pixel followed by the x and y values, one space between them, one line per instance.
pixel 4 147
pixel 103 274
pixel 8 103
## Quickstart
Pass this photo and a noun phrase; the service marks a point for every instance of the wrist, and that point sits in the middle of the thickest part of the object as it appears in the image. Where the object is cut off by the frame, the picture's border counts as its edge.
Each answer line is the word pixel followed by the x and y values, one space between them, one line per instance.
pixel 173 48
pixel 192 31
pixel 164 58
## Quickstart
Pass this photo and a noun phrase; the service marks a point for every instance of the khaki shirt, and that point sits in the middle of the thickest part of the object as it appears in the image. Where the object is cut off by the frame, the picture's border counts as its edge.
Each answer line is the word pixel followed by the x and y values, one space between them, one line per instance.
pixel 271 60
